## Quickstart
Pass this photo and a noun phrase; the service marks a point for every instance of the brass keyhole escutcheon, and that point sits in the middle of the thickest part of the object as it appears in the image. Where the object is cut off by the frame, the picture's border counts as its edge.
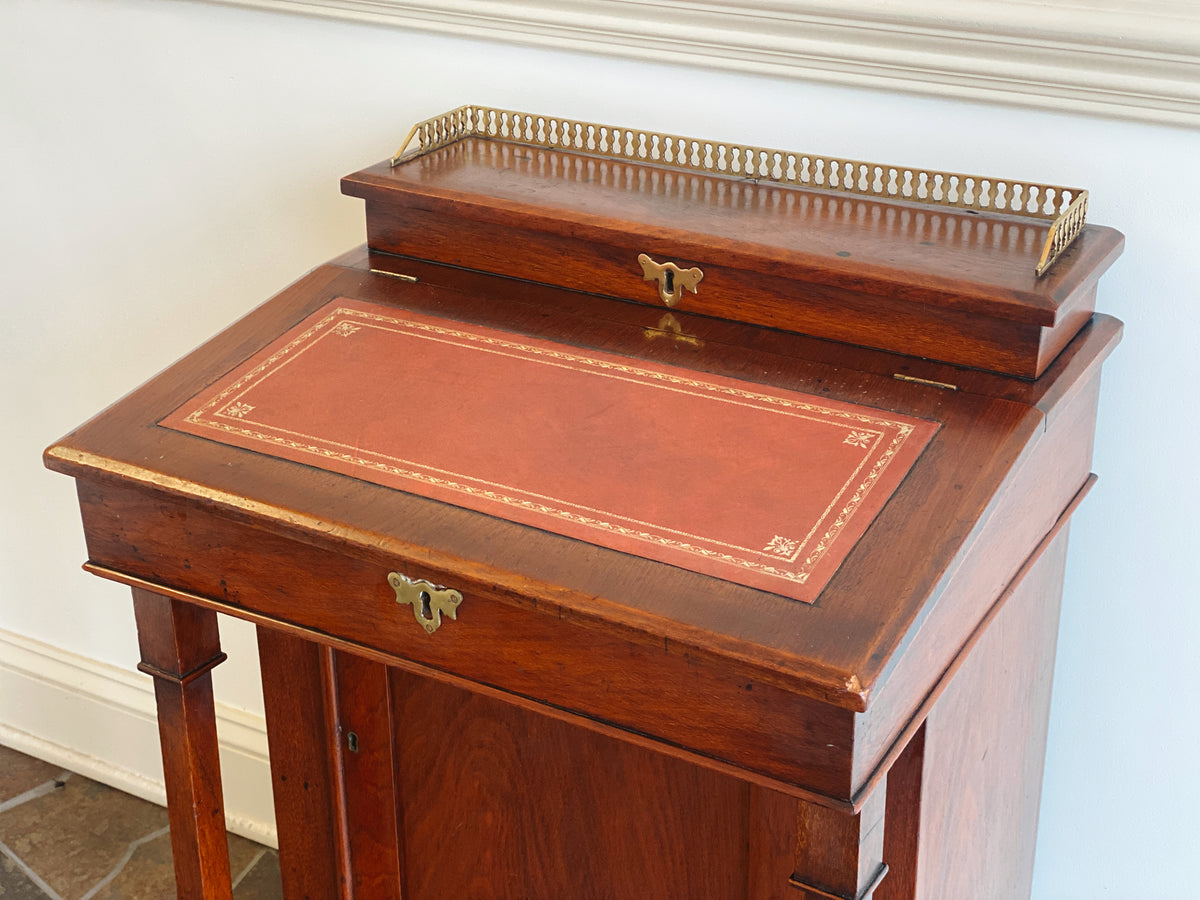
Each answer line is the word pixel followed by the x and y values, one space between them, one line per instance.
pixel 428 601
pixel 671 279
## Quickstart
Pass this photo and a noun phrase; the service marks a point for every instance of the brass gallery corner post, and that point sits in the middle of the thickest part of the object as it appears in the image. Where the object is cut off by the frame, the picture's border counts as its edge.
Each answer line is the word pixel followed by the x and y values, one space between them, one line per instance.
pixel 634 515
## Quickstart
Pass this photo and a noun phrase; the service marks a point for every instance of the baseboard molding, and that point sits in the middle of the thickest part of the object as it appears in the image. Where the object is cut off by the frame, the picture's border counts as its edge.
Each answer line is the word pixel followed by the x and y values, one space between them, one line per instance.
pixel 99 720
pixel 1134 60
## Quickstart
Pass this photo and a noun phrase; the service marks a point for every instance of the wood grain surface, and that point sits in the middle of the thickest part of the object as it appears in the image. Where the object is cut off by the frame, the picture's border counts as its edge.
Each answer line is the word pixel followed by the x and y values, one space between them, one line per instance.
pixel 502 802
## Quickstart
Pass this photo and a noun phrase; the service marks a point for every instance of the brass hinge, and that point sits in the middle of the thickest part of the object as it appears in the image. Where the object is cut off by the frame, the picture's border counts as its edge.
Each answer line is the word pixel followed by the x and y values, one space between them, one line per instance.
pixel 411 278
pixel 937 384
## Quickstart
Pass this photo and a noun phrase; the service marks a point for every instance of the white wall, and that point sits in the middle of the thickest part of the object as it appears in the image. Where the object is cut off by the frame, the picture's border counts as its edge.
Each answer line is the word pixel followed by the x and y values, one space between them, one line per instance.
pixel 166 166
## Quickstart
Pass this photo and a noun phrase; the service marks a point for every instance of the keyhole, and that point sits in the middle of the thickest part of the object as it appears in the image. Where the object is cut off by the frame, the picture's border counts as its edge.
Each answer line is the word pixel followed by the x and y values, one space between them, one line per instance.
pixel 426 610
pixel 352 742
pixel 668 282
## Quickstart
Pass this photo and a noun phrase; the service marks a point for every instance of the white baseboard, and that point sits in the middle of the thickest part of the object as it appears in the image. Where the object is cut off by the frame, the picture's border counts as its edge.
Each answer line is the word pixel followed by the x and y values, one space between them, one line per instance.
pixel 99 720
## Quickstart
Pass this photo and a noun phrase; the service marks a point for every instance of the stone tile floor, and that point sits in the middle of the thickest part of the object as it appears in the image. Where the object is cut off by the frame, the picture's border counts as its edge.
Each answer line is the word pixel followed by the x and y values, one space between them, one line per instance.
pixel 65 837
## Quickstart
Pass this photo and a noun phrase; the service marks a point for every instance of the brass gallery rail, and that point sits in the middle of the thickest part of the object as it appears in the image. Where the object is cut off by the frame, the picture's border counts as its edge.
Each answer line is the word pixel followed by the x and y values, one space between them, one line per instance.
pixel 1063 207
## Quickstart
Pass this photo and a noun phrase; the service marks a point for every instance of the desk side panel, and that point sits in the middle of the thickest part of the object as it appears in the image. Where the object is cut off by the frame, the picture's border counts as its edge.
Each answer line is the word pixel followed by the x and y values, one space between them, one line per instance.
pixel 985 742
pixel 1027 509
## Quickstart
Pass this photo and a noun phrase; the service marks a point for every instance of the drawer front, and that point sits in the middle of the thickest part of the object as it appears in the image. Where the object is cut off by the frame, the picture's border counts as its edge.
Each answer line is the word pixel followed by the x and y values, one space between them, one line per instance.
pixel 714 712
pixel 609 265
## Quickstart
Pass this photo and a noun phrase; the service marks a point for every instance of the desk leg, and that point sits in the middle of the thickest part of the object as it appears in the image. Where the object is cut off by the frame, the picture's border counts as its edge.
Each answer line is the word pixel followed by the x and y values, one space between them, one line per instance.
pixel 802 851
pixel 180 646
pixel 839 855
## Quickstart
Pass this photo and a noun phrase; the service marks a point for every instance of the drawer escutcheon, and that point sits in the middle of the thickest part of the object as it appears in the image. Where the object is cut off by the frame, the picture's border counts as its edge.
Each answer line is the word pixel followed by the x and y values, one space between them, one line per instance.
pixel 671 279
pixel 428 600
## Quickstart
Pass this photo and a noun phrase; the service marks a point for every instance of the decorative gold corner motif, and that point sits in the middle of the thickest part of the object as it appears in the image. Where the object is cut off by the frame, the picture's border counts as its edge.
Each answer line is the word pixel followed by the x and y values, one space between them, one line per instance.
pixel 1065 208
pixel 238 410
pixel 784 547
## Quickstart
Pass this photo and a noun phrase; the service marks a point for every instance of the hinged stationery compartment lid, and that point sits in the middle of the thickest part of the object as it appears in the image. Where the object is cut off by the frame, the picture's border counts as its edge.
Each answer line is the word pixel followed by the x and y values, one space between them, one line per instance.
pixel 975 271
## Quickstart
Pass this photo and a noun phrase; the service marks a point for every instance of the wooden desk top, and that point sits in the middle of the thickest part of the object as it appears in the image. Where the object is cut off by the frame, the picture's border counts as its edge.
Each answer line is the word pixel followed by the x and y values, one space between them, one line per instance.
pixel 838 645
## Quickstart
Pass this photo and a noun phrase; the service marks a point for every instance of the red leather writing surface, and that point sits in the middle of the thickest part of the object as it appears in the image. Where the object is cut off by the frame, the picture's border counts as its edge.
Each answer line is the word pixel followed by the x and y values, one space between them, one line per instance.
pixel 757 485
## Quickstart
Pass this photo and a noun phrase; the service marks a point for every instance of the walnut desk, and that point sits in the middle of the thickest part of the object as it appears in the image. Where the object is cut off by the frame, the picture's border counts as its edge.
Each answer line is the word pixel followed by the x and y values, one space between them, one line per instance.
pixel 682 522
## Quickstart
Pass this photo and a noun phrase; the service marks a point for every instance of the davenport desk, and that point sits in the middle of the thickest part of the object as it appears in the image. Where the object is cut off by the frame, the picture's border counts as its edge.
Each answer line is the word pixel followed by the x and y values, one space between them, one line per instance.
pixel 633 517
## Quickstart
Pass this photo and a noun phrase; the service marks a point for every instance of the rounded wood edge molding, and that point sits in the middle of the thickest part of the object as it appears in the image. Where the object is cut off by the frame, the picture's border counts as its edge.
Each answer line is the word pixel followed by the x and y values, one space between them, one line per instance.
pixel 1096 57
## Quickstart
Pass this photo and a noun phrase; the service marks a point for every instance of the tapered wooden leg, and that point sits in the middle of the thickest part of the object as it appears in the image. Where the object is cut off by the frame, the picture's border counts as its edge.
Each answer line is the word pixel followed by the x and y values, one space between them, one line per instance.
pixel 180 646
pixel 902 837
pixel 839 855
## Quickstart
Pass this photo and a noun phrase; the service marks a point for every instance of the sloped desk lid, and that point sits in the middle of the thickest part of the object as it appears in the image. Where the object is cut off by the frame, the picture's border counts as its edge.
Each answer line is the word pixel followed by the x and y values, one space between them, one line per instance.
pixel 891 580
pixel 766 487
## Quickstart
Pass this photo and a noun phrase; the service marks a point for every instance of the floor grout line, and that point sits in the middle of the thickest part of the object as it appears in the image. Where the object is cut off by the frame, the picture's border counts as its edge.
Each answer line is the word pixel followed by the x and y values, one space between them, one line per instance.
pixel 129 851
pixel 130 861
pixel 32 875
pixel 246 871
pixel 33 793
